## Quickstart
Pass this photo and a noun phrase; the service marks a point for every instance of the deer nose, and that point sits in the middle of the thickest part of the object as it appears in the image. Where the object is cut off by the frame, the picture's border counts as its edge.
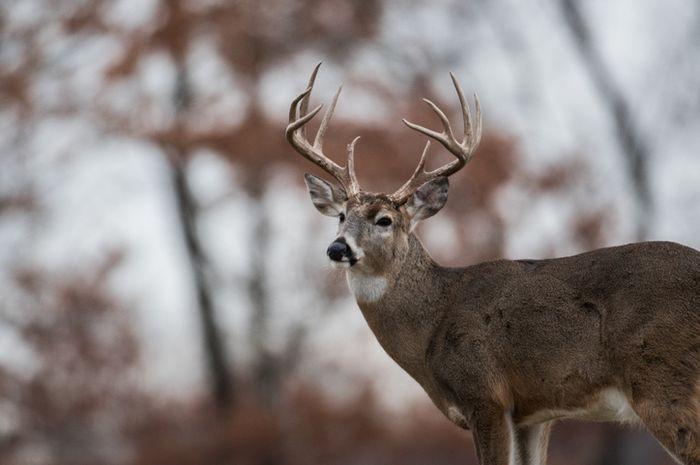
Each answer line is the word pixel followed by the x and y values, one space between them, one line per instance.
pixel 338 249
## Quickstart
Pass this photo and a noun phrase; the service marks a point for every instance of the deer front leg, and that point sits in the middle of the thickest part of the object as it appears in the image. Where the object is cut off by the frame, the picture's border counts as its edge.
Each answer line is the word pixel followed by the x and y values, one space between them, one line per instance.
pixel 494 437
pixel 531 444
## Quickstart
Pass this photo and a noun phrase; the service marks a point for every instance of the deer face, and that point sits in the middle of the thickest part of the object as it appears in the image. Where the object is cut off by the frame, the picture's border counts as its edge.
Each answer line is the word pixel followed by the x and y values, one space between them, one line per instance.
pixel 372 230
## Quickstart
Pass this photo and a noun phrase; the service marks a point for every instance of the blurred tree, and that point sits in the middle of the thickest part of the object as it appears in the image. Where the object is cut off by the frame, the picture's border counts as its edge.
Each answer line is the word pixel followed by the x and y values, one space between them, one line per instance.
pixel 633 145
pixel 78 373
pixel 250 37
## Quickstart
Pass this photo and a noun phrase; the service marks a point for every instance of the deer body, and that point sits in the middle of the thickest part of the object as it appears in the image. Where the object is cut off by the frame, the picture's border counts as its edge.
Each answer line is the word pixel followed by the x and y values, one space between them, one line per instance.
pixel 541 339
pixel 504 348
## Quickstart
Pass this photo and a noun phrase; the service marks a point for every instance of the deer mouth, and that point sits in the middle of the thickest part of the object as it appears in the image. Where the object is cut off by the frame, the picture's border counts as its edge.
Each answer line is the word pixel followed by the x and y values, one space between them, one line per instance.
pixel 345 262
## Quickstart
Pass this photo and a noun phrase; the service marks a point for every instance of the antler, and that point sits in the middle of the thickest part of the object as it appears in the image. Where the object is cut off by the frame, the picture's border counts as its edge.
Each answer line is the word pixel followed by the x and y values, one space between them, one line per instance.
pixel 462 150
pixel 296 136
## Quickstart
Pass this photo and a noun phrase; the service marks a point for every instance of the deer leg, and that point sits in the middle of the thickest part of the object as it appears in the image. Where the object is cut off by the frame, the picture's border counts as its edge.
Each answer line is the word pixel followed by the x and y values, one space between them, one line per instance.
pixel 494 437
pixel 675 424
pixel 531 443
pixel 678 436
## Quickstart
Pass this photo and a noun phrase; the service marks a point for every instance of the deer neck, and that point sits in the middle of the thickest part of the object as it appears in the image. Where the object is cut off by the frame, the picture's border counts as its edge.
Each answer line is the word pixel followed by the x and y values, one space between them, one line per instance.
pixel 398 305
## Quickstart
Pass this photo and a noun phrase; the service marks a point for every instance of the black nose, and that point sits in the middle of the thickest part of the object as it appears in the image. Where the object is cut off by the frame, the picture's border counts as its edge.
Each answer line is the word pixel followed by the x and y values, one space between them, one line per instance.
pixel 337 250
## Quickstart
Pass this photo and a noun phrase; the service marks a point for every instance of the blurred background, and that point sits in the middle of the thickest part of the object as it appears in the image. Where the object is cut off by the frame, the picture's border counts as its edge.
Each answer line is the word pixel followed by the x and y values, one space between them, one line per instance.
pixel 164 292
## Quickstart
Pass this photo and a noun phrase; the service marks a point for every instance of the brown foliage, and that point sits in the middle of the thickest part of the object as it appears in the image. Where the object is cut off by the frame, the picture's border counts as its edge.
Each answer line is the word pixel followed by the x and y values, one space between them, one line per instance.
pixel 82 352
pixel 307 429
pixel 15 81
pixel 588 227
pixel 252 35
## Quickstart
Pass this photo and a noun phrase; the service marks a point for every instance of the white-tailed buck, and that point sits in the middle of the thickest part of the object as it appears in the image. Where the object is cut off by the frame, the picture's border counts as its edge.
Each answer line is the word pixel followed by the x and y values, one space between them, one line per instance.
pixel 505 348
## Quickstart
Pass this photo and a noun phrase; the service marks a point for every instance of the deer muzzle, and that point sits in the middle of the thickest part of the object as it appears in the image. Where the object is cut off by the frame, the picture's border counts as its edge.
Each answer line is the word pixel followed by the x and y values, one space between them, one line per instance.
pixel 339 251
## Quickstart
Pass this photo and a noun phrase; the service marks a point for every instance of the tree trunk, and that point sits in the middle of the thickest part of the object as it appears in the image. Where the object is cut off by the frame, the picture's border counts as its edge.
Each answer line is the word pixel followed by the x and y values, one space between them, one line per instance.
pixel 266 369
pixel 220 377
pixel 635 150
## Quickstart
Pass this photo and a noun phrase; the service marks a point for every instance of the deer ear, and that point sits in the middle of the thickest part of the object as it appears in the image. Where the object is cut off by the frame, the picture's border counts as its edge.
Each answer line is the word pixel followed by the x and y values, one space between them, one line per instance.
pixel 427 200
pixel 326 197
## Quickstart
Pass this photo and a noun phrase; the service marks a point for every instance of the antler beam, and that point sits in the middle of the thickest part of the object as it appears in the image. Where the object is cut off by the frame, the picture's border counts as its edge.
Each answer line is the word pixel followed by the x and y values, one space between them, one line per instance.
pixel 296 136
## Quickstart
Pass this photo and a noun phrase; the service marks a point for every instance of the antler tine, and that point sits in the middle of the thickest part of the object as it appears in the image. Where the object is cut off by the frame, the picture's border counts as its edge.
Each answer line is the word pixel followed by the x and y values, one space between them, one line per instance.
pixel 293 106
pixel 404 191
pixel 462 150
pixel 477 104
pixel 466 112
pixel 421 162
pixel 446 128
pixel 318 140
pixel 298 123
pixel 307 95
pixel 296 136
pixel 354 185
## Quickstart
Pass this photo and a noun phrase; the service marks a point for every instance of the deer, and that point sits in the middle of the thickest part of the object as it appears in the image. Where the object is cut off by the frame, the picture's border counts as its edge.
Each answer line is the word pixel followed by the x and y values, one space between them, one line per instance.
pixel 506 348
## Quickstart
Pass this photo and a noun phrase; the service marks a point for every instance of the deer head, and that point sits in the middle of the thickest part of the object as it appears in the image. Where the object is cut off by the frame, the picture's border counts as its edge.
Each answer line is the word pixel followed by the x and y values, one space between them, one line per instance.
pixel 374 227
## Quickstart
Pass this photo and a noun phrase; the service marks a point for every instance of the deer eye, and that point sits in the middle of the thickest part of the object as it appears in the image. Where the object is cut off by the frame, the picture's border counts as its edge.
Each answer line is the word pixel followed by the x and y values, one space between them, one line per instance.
pixel 384 221
pixel 341 217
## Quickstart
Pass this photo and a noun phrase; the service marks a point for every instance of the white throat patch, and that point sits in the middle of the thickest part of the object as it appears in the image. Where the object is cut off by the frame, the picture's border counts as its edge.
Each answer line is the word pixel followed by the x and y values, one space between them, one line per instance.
pixel 366 288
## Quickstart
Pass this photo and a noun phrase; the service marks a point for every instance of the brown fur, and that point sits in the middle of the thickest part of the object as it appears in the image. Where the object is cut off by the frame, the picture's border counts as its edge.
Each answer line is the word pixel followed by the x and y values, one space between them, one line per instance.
pixel 506 340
